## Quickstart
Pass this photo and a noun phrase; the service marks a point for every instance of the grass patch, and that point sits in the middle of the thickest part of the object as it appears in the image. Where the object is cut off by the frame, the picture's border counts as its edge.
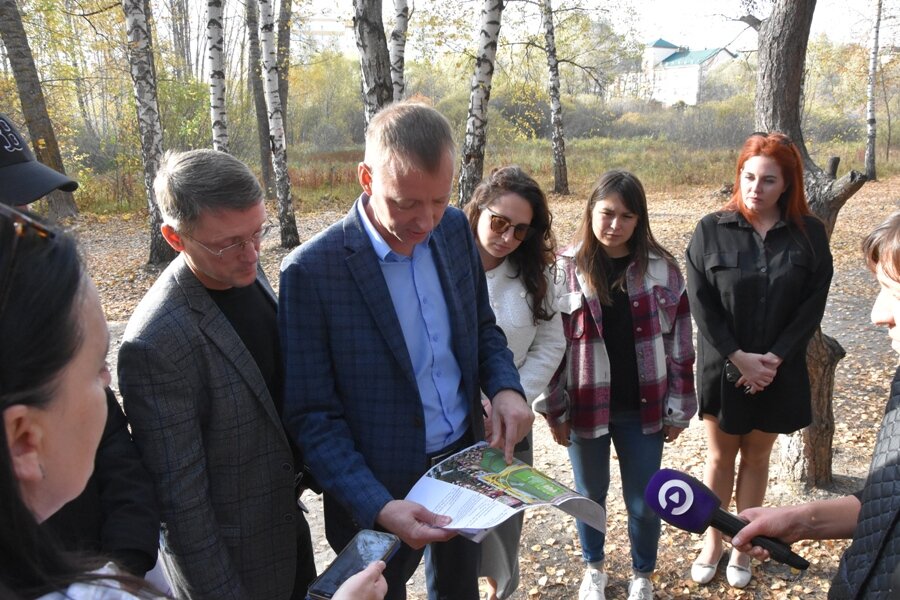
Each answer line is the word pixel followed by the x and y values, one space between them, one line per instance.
pixel 327 180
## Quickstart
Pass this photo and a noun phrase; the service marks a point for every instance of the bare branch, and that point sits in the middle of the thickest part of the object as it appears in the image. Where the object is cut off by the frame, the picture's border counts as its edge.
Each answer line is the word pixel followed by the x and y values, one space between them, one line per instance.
pixel 751 21
pixel 92 13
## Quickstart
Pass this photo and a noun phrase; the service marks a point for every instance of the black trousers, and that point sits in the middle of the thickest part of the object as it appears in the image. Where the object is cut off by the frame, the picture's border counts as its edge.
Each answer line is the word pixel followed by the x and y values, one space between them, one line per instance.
pixel 306 562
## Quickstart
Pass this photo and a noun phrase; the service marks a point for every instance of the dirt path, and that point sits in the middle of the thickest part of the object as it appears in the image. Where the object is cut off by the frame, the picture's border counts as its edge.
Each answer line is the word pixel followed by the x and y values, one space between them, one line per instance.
pixel 550 557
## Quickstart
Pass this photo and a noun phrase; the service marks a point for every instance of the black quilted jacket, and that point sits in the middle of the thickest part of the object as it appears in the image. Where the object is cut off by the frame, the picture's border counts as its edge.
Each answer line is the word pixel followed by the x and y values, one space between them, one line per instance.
pixel 868 564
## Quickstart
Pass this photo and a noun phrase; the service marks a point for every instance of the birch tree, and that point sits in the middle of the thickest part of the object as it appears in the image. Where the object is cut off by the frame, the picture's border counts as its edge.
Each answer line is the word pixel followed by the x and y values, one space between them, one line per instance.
pixel 181 38
pixel 560 172
pixel 472 155
pixel 284 57
pixel 215 41
pixel 286 219
pixel 783 38
pixel 374 60
pixel 34 106
pixel 259 97
pixel 870 95
pixel 397 47
pixel 143 76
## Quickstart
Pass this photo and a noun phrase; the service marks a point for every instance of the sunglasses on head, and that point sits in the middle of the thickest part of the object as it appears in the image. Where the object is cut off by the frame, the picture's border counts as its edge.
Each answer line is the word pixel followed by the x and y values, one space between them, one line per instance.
pixel 22 226
pixel 499 224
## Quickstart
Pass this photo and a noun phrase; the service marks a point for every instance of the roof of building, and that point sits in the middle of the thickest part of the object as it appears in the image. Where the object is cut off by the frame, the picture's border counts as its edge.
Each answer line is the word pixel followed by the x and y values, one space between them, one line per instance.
pixel 661 43
pixel 689 57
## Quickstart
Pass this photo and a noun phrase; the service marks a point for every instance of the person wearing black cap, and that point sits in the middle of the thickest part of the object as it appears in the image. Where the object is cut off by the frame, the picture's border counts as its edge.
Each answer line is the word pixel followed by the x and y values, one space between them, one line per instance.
pixel 116 515
pixel 22 178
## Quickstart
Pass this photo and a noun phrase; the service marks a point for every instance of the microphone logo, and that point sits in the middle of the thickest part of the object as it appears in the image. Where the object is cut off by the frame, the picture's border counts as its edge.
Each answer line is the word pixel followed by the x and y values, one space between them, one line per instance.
pixel 679 494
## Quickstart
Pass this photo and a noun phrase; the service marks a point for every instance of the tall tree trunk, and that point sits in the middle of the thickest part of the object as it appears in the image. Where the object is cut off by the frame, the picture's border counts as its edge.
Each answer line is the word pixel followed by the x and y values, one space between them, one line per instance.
pixel 870 96
pixel 783 38
pixel 143 76
pixel 402 13
pixel 216 59
pixel 472 155
pixel 181 39
pixel 259 99
pixel 76 58
pixel 284 63
pixel 374 61
pixel 34 107
pixel 887 118
pixel 560 172
pixel 286 219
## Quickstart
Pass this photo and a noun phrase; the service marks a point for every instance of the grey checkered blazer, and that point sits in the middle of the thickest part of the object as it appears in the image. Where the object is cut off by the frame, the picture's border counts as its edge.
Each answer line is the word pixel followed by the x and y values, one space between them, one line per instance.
pixel 210 436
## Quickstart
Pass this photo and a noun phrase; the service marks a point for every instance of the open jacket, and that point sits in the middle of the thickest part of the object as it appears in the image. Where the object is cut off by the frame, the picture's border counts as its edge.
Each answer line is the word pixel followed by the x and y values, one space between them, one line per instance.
pixel 351 398
pixel 209 433
pixel 579 391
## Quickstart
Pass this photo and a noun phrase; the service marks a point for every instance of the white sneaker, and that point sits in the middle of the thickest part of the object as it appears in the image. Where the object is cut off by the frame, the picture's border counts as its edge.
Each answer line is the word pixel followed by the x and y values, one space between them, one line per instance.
pixel 593 585
pixel 640 588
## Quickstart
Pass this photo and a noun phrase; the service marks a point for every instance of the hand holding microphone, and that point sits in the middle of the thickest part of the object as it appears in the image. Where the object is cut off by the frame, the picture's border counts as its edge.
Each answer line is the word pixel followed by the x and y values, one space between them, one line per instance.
pixel 686 503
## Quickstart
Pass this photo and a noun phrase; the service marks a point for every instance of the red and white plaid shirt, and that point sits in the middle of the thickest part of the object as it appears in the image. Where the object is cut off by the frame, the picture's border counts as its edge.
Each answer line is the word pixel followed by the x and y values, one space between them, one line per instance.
pixel 579 391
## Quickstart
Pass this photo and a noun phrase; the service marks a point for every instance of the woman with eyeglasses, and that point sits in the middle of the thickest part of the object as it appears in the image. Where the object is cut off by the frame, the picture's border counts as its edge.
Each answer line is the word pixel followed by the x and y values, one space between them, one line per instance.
pixel 758 276
pixel 53 379
pixel 511 222
pixel 627 376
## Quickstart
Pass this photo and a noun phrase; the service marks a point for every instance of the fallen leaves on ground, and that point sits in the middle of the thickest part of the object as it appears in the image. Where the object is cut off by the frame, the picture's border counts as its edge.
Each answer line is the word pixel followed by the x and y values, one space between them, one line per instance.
pixel 116 249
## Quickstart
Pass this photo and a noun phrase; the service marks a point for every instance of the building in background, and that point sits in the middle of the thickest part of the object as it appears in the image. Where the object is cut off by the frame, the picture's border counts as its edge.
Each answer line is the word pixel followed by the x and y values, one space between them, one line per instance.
pixel 670 74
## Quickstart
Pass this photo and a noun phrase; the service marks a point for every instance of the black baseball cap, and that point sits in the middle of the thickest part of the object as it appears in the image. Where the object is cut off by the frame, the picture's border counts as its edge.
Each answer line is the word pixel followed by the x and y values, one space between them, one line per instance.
pixel 22 178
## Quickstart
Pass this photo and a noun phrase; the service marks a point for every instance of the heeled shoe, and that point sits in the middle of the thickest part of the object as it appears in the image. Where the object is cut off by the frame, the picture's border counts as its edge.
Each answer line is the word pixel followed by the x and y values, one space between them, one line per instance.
pixel 738 575
pixel 703 573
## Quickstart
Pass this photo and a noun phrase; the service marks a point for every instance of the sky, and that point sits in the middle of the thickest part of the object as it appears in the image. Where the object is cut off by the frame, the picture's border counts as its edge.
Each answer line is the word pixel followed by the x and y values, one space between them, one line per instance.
pixel 700 24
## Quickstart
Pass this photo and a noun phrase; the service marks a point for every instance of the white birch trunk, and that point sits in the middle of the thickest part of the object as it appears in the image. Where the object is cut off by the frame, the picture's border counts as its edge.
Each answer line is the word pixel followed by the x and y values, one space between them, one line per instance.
pixel 472 155
pixel 374 60
pixel 560 172
pixel 215 58
pixel 870 96
pixel 286 219
pixel 143 76
pixel 266 170
pixel 397 47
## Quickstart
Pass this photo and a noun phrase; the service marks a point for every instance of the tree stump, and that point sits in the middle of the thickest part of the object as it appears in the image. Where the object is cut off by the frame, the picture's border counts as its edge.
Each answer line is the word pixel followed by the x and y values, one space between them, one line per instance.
pixel 806 455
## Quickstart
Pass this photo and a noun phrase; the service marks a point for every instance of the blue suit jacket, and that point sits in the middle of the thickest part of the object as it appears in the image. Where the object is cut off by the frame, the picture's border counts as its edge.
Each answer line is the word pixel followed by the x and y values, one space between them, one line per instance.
pixel 351 399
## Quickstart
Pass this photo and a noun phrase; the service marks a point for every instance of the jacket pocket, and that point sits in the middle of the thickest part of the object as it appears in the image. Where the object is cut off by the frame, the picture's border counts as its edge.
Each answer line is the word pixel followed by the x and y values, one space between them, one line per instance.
pixel 723 271
pixel 571 306
pixel 720 260
pixel 666 307
pixel 800 259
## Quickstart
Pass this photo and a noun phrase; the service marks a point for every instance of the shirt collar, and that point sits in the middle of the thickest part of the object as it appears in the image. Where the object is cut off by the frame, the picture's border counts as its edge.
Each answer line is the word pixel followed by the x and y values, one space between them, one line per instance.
pixel 381 247
pixel 736 216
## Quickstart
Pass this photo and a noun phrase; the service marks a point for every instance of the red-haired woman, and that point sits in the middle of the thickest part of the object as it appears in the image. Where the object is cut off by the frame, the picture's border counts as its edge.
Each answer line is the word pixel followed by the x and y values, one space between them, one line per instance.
pixel 758 277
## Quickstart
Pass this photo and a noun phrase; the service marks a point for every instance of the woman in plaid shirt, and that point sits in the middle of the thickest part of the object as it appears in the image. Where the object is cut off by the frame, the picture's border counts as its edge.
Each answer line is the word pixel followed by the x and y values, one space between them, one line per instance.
pixel 627 375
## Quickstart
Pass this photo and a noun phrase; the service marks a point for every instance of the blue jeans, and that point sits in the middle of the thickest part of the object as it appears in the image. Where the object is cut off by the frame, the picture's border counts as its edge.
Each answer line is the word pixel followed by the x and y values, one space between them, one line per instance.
pixel 639 458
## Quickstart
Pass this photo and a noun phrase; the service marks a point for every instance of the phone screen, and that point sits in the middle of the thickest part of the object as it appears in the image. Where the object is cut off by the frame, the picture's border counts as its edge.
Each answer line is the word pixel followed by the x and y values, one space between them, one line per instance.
pixel 366 547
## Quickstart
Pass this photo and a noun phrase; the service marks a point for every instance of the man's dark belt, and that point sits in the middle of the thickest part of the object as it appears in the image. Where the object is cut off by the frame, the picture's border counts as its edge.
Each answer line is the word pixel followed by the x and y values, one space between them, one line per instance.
pixel 464 441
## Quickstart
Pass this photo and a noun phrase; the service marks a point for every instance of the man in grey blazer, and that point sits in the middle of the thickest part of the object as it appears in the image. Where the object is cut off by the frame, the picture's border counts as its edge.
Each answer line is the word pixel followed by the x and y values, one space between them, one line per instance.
pixel 201 376
pixel 388 336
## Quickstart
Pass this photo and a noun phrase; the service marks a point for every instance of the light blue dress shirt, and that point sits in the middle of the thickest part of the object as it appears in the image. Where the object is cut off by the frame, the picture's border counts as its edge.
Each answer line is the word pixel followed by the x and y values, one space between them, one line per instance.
pixel 418 298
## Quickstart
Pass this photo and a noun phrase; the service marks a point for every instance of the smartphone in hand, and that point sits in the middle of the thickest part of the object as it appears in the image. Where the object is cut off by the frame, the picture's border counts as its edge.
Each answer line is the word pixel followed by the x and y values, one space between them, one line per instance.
pixel 366 547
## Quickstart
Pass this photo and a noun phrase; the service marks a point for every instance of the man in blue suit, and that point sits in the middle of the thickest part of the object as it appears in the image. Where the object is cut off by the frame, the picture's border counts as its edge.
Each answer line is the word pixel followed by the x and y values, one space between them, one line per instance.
pixel 387 335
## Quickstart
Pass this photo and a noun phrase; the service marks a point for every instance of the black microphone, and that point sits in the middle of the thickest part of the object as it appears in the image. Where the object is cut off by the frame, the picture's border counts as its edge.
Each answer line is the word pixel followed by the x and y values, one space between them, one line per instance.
pixel 686 503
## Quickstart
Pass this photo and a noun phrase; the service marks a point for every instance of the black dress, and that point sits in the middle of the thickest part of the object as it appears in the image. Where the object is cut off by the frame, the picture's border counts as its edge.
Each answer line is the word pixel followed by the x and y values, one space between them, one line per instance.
pixel 757 295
